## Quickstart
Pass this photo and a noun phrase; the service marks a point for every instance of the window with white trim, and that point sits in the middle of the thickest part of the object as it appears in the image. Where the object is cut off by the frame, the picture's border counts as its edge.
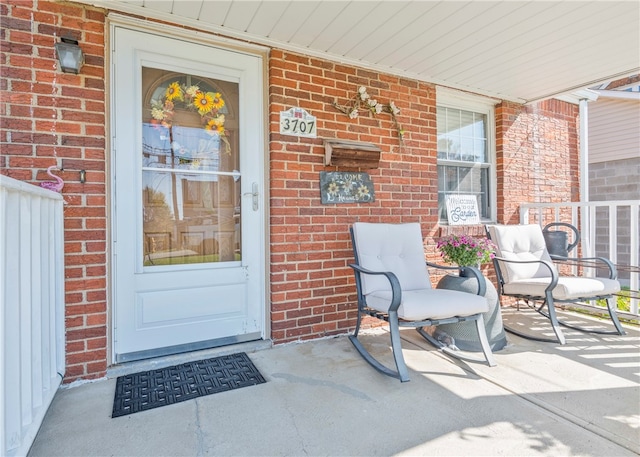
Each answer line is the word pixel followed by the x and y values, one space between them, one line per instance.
pixel 466 152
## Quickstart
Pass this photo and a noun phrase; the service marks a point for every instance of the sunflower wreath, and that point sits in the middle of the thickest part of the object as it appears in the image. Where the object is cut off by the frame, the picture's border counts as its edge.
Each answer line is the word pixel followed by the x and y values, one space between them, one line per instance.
pixel 206 104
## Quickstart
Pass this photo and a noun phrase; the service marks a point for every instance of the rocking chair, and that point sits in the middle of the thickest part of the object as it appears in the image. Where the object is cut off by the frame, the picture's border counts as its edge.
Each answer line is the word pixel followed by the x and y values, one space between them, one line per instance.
pixel 393 284
pixel 525 270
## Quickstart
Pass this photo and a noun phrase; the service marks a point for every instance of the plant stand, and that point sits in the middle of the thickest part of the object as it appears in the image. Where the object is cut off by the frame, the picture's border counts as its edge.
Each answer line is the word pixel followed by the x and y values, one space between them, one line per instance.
pixel 465 335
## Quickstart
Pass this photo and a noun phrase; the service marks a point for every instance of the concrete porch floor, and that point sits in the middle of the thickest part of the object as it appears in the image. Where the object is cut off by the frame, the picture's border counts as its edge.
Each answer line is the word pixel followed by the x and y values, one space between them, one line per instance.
pixel 322 398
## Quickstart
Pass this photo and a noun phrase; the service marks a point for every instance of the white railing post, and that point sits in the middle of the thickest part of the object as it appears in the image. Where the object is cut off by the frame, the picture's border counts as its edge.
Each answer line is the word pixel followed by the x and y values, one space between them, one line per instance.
pixel 634 280
pixel 575 221
pixel 591 233
pixel 613 233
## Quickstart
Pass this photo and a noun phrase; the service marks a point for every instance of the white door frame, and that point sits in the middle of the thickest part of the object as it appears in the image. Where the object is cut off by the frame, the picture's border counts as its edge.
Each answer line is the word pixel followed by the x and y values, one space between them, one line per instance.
pixel 143 26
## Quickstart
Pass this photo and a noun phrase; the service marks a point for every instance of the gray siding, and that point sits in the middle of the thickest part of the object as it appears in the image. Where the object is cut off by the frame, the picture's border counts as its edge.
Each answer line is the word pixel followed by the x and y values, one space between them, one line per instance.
pixel 614 180
pixel 614 130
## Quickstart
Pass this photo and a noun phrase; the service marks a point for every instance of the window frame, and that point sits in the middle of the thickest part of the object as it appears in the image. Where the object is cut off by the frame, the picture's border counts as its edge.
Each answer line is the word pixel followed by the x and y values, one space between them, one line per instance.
pixel 454 99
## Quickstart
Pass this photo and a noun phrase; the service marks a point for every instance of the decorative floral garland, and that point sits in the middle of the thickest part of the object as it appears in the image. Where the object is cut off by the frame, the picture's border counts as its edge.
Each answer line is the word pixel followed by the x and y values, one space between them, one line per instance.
pixel 363 101
pixel 207 104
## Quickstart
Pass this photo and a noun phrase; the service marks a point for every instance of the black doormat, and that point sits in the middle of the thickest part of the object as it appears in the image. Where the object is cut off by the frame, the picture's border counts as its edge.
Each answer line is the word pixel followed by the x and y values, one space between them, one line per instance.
pixel 165 386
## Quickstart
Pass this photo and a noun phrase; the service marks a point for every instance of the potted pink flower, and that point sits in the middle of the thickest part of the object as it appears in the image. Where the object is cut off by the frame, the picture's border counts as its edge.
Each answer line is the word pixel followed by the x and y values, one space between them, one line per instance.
pixel 466 251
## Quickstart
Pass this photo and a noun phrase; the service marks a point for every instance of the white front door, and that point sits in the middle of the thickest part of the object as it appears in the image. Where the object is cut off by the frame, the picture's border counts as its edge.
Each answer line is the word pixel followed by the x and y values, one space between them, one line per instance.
pixel 188 199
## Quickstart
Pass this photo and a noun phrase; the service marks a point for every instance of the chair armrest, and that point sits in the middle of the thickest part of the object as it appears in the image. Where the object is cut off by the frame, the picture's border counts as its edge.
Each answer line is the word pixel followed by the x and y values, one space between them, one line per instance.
pixel 613 272
pixel 482 282
pixel 548 265
pixel 396 291
pixel 441 267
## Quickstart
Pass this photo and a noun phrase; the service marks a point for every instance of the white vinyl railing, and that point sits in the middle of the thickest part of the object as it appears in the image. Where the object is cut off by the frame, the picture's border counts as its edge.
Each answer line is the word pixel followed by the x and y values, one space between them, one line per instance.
pixel 31 310
pixel 607 228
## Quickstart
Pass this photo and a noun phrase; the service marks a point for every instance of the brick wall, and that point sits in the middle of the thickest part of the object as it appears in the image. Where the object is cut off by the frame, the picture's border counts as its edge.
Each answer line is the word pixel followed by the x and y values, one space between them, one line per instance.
pixel 537 155
pixel 312 292
pixel 49 118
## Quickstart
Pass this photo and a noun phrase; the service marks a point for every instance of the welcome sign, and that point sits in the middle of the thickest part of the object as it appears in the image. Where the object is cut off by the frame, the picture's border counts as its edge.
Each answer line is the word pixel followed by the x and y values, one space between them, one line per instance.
pixel 345 187
pixel 462 210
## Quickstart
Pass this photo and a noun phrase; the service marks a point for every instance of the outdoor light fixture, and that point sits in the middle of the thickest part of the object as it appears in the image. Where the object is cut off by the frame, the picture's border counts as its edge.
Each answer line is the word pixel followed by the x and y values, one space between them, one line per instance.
pixel 69 55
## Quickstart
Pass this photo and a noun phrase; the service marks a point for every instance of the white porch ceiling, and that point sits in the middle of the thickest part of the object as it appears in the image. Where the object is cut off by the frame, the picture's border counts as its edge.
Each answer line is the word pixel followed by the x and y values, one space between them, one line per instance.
pixel 512 50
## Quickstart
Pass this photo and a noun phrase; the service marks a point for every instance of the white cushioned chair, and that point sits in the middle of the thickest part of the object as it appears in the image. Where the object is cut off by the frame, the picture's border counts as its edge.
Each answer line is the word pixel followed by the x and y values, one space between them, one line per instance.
pixel 393 284
pixel 526 270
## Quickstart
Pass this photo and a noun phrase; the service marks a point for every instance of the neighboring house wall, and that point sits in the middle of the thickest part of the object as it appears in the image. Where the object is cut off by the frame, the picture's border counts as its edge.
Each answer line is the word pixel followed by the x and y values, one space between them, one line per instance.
pixel 614 128
pixel 614 165
pixel 49 116
pixel 615 180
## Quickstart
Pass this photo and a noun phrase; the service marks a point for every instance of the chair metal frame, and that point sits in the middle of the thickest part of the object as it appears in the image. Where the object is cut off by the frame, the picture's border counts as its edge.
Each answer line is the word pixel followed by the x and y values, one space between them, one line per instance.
pixel 549 301
pixel 395 323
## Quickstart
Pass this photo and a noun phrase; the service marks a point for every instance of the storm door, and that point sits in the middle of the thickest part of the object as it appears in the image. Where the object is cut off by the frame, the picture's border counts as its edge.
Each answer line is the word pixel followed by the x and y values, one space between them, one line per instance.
pixel 188 230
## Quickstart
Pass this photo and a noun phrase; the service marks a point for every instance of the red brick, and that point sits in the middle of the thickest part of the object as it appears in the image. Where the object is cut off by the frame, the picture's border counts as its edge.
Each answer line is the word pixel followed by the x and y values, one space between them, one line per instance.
pixel 88 356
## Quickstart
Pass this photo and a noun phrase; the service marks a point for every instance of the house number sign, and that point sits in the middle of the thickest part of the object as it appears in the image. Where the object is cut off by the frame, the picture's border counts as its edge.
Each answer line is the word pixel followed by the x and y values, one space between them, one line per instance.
pixel 297 122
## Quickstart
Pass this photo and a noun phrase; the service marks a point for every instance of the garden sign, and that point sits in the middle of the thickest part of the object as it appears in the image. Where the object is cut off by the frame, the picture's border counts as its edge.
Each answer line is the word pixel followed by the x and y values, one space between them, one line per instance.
pixel 462 210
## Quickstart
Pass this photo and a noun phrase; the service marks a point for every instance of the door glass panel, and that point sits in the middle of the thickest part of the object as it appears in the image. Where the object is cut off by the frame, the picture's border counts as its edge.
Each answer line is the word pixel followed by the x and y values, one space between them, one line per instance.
pixel 190 169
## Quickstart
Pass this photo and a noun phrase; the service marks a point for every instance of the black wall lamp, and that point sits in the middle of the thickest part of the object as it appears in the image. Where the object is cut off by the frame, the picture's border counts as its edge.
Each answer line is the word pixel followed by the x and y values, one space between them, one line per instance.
pixel 70 55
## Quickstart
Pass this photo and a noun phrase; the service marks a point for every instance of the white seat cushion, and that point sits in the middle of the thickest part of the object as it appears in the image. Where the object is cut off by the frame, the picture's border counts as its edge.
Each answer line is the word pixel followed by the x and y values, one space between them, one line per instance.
pixel 568 288
pixel 520 242
pixel 526 242
pixel 424 304
pixel 398 248
pixel 391 247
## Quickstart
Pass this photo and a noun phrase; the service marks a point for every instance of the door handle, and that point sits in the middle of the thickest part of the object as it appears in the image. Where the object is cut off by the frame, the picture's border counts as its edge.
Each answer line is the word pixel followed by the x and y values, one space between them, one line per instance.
pixel 254 194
